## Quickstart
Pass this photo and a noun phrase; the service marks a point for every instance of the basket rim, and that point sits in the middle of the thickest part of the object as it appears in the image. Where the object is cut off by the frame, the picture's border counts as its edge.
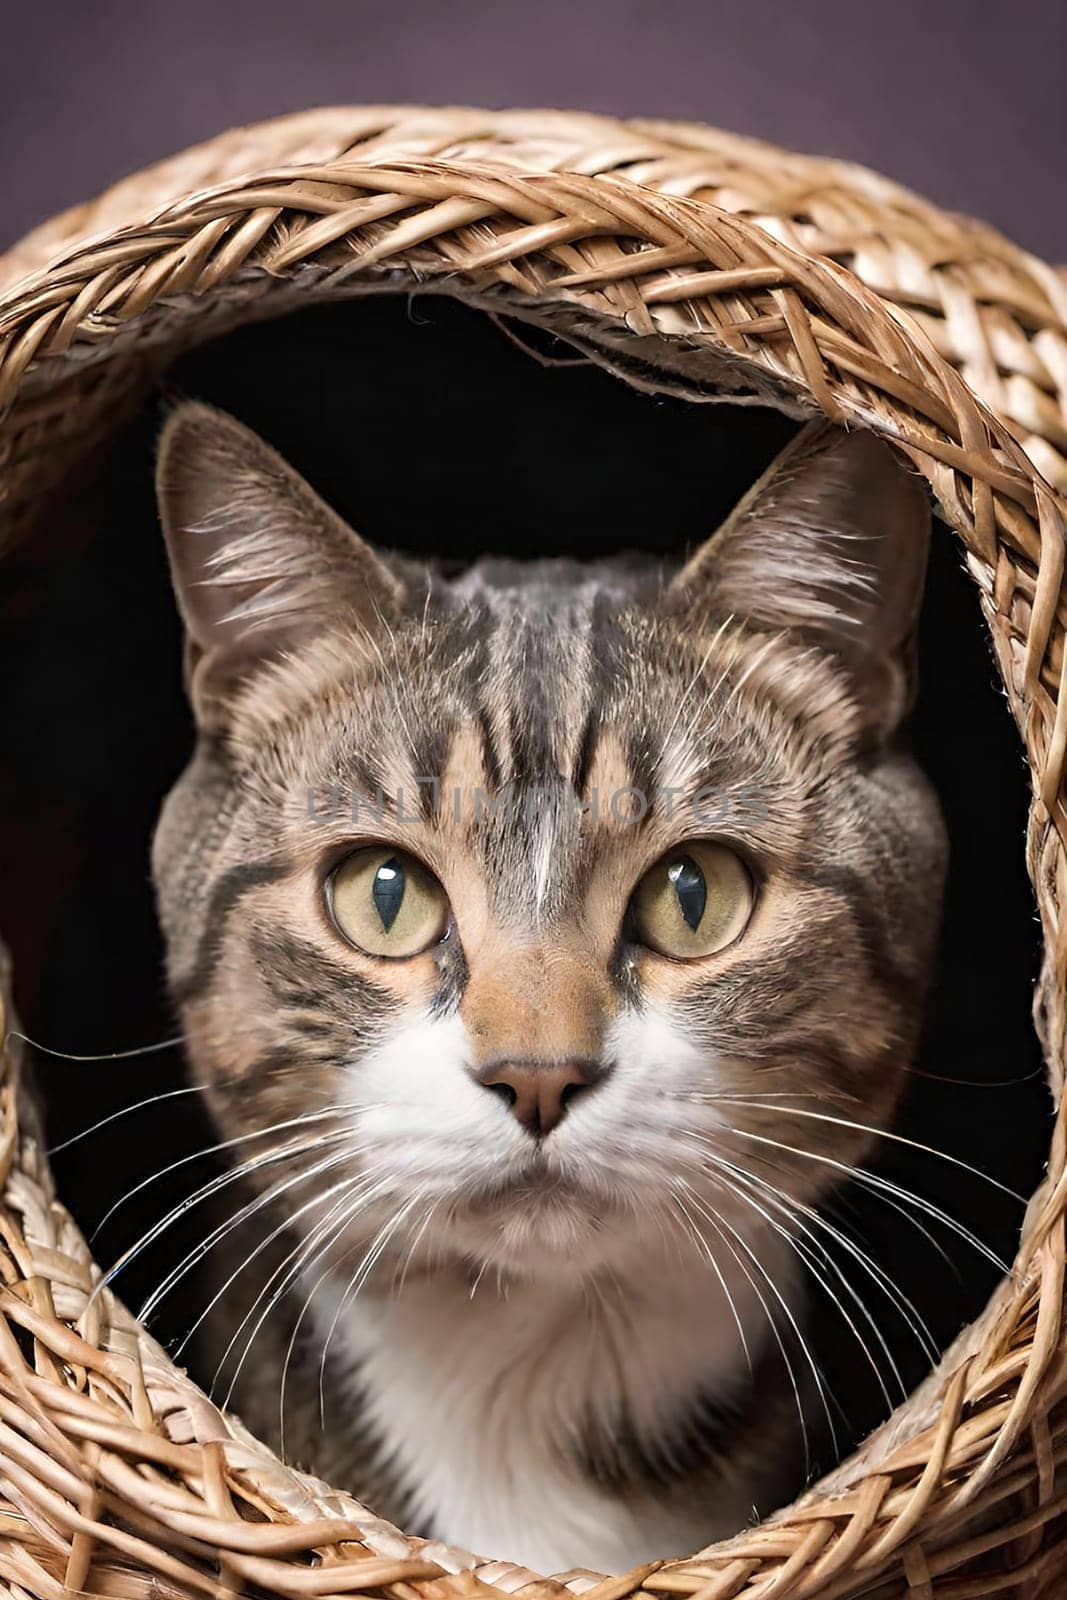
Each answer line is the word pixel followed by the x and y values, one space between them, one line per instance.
pixel 667 289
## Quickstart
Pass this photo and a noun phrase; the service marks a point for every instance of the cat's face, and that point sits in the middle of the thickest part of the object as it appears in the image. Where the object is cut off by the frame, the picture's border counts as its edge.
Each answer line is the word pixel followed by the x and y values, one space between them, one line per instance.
pixel 556 907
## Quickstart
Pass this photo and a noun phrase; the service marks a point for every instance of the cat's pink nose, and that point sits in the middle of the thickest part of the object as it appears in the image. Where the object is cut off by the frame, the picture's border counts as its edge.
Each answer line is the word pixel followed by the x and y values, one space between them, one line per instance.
pixel 538 1093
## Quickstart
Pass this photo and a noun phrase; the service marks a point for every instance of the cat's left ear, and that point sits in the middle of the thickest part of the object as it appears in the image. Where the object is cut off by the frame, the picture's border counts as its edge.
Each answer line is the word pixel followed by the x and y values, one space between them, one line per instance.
pixel 260 563
pixel 830 544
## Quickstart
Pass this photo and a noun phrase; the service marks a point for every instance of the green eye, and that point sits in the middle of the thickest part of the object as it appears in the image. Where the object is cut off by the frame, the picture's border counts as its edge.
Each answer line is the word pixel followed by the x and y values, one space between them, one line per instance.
pixel 386 903
pixel 693 902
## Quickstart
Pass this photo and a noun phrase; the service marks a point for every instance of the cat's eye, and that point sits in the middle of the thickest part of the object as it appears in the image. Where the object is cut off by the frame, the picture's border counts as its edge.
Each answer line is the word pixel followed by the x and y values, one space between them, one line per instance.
pixel 386 903
pixel 693 902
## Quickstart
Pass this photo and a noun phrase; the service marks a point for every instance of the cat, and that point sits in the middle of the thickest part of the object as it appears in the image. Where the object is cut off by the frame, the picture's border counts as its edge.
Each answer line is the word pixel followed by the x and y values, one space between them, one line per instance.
pixel 548 941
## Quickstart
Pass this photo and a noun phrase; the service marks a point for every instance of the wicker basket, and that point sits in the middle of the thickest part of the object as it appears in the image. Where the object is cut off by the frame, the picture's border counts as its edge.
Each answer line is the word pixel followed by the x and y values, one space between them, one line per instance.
pixel 686 260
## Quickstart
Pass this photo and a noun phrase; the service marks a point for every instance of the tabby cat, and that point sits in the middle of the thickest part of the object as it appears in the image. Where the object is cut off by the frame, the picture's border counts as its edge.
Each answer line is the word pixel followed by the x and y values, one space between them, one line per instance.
pixel 548 941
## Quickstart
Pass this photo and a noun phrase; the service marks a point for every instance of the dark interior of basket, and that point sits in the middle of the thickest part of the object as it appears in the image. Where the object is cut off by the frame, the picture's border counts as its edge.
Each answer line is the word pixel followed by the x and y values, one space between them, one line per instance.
pixel 434 432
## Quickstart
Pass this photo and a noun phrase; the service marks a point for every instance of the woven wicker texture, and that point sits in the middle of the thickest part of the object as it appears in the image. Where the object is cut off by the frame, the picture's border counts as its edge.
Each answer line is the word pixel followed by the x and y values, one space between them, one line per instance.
pixel 691 261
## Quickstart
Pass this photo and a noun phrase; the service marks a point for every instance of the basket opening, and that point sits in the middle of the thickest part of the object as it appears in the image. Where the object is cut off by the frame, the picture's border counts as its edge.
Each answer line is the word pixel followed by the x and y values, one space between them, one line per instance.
pixel 433 432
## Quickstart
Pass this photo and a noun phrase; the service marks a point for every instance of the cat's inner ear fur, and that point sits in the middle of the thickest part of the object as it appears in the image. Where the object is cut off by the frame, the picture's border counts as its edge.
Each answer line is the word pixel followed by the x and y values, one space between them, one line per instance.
pixel 831 544
pixel 260 563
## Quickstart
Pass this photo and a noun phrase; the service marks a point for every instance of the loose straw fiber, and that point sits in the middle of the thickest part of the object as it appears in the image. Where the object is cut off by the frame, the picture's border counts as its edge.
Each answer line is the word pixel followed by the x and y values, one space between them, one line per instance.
pixel 689 261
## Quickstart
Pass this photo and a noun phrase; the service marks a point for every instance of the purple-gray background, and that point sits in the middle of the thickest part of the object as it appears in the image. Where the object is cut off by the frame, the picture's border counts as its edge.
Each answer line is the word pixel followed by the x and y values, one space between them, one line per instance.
pixel 964 100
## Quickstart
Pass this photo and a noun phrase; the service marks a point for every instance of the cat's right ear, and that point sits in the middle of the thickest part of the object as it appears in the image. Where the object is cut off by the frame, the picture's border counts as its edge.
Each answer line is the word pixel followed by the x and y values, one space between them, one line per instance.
pixel 260 564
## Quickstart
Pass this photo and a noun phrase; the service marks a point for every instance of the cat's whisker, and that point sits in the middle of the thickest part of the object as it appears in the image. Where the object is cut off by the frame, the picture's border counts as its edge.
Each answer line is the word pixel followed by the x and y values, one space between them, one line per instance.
pixel 370 1256
pixel 348 1153
pixel 124 1111
pixel 359 1193
pixel 804 1252
pixel 369 1262
pixel 841 1199
pixel 816 1373
pixel 308 1266
pixel 719 1224
pixel 758 1096
pixel 479 1276
pixel 216 1149
pixel 705 1250
pixel 837 1199
pixel 205 1192
pixel 841 1196
pixel 976 1083
pixel 317 1248
pixel 743 1243
pixel 416 1240
pixel 360 1276
pixel 150 1100
pixel 266 1197
pixel 661 1216
pixel 304 1247
pixel 888 1192
pixel 901 1139
pixel 208 1191
pixel 904 1306
pixel 884 1186
pixel 214 1186
pixel 782 1206
pixel 104 1055
pixel 264 1244
pixel 310 1250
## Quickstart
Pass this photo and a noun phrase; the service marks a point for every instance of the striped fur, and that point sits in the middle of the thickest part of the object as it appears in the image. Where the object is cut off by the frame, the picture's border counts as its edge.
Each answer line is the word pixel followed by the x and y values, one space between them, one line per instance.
pixel 540 1325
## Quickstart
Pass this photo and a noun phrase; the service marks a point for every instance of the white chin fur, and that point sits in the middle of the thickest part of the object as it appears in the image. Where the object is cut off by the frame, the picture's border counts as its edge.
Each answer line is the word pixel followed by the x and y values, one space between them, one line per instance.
pixel 541 1307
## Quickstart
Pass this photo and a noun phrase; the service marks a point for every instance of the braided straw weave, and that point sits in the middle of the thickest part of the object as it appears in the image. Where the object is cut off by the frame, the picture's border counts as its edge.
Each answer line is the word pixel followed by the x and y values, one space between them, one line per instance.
pixel 687 260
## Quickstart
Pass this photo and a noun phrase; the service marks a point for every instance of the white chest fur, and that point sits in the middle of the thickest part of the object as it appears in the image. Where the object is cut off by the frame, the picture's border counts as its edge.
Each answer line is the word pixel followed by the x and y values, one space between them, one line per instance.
pixel 480 1402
